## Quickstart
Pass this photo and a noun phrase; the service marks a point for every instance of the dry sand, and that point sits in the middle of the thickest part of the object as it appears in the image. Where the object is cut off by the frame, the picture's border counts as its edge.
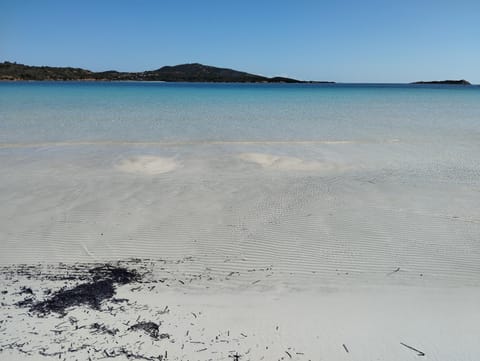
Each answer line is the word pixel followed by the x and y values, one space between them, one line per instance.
pixel 212 315
pixel 255 252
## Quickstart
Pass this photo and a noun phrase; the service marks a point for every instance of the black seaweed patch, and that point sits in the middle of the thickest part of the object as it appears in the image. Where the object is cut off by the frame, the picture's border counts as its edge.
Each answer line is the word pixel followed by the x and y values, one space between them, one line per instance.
pixel 90 294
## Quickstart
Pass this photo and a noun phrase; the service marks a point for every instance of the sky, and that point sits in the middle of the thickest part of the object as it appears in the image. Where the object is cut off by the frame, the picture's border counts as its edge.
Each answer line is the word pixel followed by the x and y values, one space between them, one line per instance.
pixel 340 40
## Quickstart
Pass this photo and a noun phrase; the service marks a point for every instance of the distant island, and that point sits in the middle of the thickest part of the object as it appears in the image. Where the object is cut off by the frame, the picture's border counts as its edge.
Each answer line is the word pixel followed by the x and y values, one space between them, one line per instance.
pixel 446 82
pixel 179 73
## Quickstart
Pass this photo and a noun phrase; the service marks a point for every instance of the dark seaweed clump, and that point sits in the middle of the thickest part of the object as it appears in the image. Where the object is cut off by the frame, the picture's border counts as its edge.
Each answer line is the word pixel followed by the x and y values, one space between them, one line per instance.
pixel 91 294
pixel 150 328
pixel 118 275
pixel 99 328
pixel 26 290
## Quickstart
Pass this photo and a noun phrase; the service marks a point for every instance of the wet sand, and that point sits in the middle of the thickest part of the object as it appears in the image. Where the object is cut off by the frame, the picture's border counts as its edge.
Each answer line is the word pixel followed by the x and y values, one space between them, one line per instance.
pixel 274 252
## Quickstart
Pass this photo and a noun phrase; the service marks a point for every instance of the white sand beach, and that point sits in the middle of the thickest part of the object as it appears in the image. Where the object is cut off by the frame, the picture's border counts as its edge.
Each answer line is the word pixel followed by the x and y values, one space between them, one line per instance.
pixel 269 252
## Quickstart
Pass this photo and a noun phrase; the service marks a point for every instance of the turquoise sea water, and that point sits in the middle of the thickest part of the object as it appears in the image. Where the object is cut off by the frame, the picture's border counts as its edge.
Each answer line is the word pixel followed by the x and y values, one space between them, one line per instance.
pixel 158 112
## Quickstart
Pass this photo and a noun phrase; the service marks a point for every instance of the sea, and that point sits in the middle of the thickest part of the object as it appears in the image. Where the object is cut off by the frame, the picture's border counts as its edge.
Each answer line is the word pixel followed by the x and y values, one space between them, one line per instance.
pixel 307 178
pixel 182 112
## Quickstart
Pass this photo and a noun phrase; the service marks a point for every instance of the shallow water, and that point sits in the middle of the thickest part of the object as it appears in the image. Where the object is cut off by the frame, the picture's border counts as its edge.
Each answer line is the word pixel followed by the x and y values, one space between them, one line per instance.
pixel 342 183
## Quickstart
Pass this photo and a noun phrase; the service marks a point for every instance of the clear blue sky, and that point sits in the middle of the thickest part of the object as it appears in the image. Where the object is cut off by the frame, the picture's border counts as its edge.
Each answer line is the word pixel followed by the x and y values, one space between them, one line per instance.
pixel 347 41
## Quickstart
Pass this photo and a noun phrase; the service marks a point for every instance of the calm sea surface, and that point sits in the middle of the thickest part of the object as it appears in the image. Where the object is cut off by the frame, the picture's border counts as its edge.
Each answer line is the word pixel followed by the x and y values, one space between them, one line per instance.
pixel 159 112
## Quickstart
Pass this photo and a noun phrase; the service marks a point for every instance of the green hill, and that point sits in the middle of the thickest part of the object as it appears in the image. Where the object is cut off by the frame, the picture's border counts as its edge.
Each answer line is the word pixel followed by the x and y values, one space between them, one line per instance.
pixel 179 73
